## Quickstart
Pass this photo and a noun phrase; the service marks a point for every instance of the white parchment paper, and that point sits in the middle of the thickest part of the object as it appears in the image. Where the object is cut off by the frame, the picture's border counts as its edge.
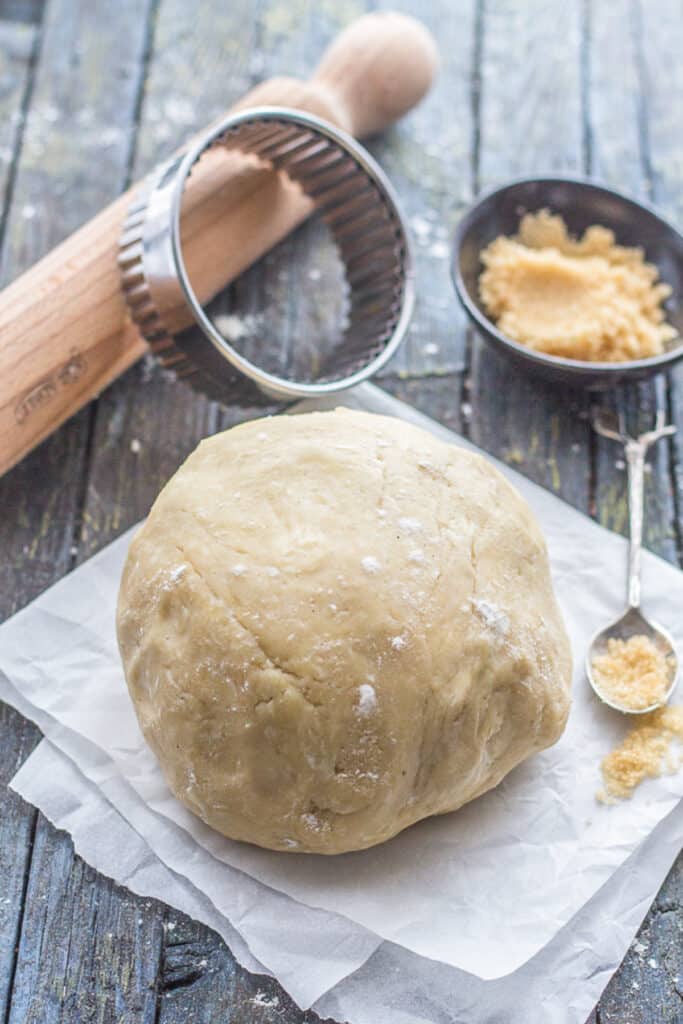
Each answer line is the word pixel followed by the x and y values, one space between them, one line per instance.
pixel 267 927
pixel 393 986
pixel 482 890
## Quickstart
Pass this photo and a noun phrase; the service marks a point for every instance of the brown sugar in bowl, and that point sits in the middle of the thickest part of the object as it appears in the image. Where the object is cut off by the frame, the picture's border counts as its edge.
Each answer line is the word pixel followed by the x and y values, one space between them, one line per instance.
pixel 581 204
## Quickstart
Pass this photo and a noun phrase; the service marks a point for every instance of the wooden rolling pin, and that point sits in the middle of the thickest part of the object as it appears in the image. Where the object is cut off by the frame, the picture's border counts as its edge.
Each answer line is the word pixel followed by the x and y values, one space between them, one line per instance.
pixel 64 329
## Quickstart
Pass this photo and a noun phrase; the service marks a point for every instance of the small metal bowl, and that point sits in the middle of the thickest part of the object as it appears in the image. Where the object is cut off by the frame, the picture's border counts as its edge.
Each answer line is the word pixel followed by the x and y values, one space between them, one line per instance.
pixel 581 203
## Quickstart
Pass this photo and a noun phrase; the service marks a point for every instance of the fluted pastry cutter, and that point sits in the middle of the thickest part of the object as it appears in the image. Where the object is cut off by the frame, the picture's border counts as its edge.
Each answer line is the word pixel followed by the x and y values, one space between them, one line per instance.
pixel 142 272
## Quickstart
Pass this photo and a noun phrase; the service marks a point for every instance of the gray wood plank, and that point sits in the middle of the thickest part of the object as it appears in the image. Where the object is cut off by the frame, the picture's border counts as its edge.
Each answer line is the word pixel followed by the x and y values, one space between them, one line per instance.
pixel 87 952
pixel 530 122
pixel 17 44
pixel 616 113
pixel 531 117
pixel 639 405
pixel 27 12
pixel 74 158
pixel 436 395
pixel 619 156
pixel 200 981
pixel 429 158
pixel 148 422
pixel 649 985
pixel 17 736
pixel 660 36
pixel 17 823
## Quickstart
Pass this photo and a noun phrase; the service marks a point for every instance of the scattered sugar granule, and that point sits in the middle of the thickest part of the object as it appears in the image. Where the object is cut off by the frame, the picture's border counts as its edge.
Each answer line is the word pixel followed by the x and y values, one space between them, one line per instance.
pixel 177 573
pixel 417 556
pixel 311 821
pixel 514 455
pixel 632 673
pixel 232 327
pixel 367 699
pixel 644 753
pixel 370 564
pixel 272 570
pixel 494 618
pixel 135 446
pixel 268 1002
pixel 439 250
pixel 398 643
pixel 291 844
pixel 409 525
pixel 239 569
pixel 420 226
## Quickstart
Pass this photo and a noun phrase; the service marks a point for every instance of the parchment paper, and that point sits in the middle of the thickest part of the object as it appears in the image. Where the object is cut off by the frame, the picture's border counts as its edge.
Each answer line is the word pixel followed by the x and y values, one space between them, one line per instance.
pixel 267 926
pixel 394 986
pixel 526 857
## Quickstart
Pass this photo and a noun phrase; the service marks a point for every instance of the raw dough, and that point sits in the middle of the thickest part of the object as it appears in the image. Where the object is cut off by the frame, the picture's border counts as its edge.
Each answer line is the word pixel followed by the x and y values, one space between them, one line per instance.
pixel 334 625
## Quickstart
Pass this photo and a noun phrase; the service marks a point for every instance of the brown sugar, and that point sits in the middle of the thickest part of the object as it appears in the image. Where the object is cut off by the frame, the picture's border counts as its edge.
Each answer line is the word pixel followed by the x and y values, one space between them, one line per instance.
pixel 632 673
pixel 586 298
pixel 646 752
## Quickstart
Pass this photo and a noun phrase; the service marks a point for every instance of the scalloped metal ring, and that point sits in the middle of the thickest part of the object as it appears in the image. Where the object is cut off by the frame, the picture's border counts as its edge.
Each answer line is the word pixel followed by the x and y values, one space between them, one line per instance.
pixel 352 196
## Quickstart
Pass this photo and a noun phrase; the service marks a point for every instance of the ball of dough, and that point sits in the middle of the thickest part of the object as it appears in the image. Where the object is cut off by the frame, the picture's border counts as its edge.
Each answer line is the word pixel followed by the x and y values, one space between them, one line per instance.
pixel 333 625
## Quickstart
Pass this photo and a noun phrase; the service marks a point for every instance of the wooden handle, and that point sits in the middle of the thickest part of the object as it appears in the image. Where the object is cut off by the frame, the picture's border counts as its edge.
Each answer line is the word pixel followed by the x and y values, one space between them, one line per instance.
pixel 64 330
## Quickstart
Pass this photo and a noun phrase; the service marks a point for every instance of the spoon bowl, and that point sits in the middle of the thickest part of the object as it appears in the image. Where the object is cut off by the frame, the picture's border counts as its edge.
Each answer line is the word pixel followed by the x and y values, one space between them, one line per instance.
pixel 633 623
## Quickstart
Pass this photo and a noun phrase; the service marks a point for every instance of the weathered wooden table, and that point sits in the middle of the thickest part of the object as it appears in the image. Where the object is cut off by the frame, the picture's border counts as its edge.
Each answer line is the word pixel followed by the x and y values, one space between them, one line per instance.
pixel 92 93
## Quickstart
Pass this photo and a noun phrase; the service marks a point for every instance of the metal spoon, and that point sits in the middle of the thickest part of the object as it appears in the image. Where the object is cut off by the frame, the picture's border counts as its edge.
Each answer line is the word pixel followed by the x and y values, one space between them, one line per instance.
pixel 633 622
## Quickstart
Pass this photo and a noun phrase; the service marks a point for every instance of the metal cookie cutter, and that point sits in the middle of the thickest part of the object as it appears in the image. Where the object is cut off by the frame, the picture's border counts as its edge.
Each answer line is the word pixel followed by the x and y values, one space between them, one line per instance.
pixel 352 196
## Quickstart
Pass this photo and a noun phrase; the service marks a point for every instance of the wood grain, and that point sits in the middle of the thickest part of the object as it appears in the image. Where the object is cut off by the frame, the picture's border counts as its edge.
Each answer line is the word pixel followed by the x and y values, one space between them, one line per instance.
pixel 616 103
pixel 619 156
pixel 17 825
pixel 531 121
pixel 64 325
pixel 660 34
pixel 17 736
pixel 429 158
pixel 70 910
pixel 38 534
pixel 525 86
pixel 201 982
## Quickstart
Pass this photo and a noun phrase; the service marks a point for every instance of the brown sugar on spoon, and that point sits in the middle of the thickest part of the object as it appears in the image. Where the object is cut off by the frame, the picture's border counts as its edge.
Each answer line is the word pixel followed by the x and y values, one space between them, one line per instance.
pixel 587 298
pixel 632 673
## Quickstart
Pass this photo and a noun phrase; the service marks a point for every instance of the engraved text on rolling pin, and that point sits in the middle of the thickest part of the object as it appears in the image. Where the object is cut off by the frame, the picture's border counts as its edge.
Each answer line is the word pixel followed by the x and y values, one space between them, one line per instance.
pixel 40 393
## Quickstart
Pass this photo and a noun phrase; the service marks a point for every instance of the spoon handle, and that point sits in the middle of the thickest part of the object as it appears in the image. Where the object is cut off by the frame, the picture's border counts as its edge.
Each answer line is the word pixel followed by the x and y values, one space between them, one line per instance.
pixel 635 451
